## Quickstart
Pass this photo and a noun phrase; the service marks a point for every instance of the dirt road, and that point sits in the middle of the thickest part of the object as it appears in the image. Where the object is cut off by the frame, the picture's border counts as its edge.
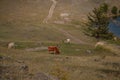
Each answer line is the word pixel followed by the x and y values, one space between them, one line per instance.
pixel 51 11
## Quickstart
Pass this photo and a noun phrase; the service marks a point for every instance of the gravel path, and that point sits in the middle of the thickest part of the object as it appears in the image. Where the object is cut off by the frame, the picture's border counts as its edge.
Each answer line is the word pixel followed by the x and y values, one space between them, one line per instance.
pixel 51 11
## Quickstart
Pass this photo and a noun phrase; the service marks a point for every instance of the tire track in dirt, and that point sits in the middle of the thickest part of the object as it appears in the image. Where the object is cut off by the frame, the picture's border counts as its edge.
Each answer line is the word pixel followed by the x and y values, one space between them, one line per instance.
pixel 51 11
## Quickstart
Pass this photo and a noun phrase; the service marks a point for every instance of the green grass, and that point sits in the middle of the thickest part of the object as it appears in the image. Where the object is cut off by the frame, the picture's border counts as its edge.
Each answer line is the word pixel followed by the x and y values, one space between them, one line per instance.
pixel 67 49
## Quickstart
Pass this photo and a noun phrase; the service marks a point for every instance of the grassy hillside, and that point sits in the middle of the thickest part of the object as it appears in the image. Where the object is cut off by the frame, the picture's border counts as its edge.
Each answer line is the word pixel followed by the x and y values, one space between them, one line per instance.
pixel 21 21
pixel 41 65
pixel 37 10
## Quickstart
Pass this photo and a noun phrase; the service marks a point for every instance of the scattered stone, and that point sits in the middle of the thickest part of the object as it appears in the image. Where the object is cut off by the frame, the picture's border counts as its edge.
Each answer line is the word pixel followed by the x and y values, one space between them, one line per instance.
pixel 102 75
pixel 96 60
pixel 67 57
pixel 24 68
pixel 41 76
pixel 103 57
pixel 89 51
pixel 19 61
pixel 118 47
pixel 10 70
pixel 1 57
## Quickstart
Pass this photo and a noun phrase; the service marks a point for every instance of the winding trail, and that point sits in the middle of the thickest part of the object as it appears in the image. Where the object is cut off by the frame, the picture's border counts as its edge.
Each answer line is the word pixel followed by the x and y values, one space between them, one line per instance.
pixel 68 35
pixel 51 11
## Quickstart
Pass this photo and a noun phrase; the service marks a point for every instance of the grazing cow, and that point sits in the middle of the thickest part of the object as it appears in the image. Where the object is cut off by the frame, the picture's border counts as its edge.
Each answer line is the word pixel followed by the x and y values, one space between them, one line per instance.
pixel 68 40
pixel 64 14
pixel 53 49
pixel 99 44
pixel 11 45
pixel 115 38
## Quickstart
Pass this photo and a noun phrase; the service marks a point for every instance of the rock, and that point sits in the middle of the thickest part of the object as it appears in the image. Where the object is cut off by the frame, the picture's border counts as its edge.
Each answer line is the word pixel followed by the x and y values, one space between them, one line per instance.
pixel 89 51
pixel 1 57
pixel 40 76
pixel 43 76
pixel 101 76
pixel 24 68
pixel 96 60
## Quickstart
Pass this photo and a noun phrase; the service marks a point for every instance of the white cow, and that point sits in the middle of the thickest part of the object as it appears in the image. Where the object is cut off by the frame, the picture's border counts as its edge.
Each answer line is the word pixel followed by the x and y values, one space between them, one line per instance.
pixel 67 40
pixel 64 14
pixel 115 38
pixel 99 44
pixel 11 45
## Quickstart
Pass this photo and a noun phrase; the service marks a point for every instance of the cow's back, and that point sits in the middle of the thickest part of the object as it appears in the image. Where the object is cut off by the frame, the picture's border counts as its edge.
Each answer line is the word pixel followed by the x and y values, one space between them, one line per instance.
pixel 53 48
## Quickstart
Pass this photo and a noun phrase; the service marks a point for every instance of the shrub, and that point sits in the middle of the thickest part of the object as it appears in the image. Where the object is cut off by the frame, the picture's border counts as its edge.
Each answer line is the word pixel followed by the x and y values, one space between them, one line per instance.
pixel 114 10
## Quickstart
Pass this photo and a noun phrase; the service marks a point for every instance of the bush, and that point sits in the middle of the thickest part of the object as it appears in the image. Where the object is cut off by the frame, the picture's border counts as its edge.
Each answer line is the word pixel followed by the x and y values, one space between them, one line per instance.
pixel 114 10
pixel 98 22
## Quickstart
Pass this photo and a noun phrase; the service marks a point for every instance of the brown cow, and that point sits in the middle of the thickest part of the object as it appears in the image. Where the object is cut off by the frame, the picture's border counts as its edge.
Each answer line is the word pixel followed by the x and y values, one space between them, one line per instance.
pixel 53 49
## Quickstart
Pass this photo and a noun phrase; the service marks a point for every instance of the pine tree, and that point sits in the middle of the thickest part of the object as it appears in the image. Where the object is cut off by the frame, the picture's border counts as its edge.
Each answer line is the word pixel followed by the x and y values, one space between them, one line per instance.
pixel 114 10
pixel 104 8
pixel 98 23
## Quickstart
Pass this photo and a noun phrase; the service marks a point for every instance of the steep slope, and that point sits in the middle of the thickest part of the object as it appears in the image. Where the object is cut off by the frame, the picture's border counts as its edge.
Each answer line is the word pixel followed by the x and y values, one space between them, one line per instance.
pixel 51 11
pixel 28 66
pixel 37 10
pixel 22 19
